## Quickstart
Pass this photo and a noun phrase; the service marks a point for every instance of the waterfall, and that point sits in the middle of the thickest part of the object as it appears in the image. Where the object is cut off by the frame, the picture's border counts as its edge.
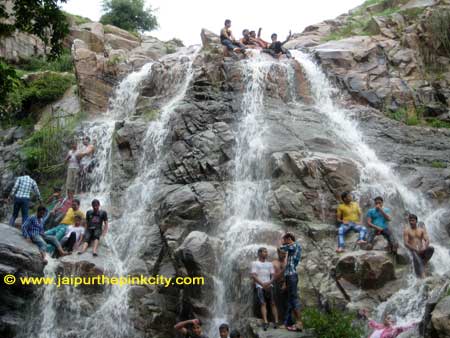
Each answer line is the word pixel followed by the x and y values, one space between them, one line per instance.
pixel 248 227
pixel 378 178
pixel 109 316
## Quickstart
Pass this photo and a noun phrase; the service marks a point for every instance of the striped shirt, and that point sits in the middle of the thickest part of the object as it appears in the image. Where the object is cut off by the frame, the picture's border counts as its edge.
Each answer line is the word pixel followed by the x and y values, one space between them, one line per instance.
pixel 24 186
pixel 33 226
pixel 294 252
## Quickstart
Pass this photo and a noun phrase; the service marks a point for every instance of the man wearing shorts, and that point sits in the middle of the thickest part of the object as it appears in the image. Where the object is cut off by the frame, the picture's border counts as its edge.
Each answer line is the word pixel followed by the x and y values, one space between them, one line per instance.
pixel 95 219
pixel 262 272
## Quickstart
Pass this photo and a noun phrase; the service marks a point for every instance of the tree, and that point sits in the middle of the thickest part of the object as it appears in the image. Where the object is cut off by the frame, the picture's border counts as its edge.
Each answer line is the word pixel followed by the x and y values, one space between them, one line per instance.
pixel 129 15
pixel 42 18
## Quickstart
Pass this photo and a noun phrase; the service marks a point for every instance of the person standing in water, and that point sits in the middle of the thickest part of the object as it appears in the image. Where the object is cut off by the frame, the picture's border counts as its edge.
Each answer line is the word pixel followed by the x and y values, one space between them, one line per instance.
pixel 417 241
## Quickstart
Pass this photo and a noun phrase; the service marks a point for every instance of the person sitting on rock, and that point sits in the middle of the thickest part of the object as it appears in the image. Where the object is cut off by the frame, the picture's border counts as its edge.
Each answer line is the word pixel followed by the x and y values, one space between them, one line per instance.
pixel 294 254
pixel 227 39
pixel 33 231
pixel 20 193
pixel 74 235
pixel 73 168
pixel 54 199
pixel 262 273
pixel 246 40
pixel 224 330
pixel 276 49
pixel 86 158
pixel 387 329
pixel 261 43
pixel 378 219
pixel 95 219
pixel 348 216
pixel 56 215
pixel 417 241
pixel 193 330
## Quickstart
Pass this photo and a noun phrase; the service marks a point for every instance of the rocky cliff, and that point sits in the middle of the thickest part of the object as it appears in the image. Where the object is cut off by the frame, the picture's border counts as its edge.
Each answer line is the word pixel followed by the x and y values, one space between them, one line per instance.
pixel 184 225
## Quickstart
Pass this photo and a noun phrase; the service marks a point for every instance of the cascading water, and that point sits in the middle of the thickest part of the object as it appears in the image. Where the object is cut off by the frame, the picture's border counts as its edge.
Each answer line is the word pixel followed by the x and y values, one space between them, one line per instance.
pixel 248 227
pixel 110 315
pixel 378 178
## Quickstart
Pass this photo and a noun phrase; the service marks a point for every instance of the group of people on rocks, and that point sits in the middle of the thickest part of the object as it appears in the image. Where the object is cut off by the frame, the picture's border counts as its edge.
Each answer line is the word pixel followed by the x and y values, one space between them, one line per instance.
pixel 251 40
pixel 276 281
pixel 60 227
pixel 415 236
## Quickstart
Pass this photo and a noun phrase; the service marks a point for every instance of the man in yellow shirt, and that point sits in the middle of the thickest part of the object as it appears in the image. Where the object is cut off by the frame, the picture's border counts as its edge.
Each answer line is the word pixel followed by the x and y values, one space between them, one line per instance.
pixel 348 215
pixel 69 218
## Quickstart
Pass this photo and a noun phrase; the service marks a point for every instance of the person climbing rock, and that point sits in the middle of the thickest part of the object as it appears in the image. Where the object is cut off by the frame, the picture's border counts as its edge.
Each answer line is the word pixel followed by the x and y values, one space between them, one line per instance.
pixel 54 199
pixel 227 39
pixel 224 330
pixel 378 219
pixel 21 193
pixel 74 235
pixel 33 231
pixel 387 329
pixel 86 158
pixel 417 241
pixel 190 328
pixel 73 168
pixel 348 216
pixel 95 219
pixel 294 254
pixel 262 273
pixel 279 284
pixel 56 215
pixel 276 49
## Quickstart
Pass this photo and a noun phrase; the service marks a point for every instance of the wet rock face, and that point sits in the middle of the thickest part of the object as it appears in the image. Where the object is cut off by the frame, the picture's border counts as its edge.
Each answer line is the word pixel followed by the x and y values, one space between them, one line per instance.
pixel 19 258
pixel 369 270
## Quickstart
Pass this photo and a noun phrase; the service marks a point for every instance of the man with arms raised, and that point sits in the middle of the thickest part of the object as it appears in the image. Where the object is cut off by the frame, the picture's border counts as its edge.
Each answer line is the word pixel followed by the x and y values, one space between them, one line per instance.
pixel 417 241
pixel 262 271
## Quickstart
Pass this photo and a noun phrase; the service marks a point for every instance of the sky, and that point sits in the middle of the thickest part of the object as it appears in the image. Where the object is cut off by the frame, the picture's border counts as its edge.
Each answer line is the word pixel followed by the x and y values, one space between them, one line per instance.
pixel 184 19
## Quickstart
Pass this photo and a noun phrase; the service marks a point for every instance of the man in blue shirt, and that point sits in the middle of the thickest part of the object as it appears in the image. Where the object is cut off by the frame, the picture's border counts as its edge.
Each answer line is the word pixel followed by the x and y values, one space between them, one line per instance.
pixel 294 254
pixel 378 221
pixel 33 231
pixel 21 192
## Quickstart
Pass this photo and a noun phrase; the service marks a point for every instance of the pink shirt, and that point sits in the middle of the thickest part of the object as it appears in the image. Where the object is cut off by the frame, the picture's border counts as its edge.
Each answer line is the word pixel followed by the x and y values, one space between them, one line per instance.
pixel 382 331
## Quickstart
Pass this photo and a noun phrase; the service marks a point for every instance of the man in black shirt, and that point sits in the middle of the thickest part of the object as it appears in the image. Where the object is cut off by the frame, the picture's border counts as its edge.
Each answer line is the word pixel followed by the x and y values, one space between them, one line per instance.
pixel 276 48
pixel 95 219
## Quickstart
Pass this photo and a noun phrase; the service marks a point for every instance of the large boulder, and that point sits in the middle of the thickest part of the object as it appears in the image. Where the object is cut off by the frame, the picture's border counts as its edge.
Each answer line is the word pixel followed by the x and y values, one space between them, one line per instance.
pixel 368 270
pixel 440 318
pixel 91 33
pixel 19 258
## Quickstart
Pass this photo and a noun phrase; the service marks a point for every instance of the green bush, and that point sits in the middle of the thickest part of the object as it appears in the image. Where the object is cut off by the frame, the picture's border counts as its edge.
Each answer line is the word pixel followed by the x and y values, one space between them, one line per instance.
pixel 435 123
pixel 439 164
pixel 43 151
pixel 39 92
pixel 412 121
pixel 76 19
pixel 336 324
pixel 63 63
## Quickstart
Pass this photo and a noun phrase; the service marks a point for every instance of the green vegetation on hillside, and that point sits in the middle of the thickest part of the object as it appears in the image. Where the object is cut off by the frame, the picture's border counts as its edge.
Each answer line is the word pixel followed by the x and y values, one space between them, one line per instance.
pixel 63 63
pixel 437 42
pixel 335 324
pixel 76 19
pixel 129 15
pixel 27 94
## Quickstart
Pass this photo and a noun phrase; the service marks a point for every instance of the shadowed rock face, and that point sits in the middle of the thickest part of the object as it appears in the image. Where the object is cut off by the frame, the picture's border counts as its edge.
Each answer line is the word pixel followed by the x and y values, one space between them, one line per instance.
pixel 19 258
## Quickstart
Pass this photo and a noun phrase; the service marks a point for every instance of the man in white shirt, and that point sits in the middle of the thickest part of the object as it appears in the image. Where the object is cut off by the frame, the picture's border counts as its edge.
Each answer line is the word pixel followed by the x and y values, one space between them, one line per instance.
pixel 263 273
pixel 73 168
pixel 74 235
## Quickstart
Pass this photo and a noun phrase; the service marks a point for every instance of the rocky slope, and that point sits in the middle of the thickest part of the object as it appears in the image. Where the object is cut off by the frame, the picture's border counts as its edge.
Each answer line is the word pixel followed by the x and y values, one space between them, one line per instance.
pixel 304 160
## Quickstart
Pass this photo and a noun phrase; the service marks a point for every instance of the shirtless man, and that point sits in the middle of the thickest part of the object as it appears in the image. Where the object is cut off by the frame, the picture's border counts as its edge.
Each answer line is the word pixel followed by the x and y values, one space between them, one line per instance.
pixel 227 39
pixel 417 241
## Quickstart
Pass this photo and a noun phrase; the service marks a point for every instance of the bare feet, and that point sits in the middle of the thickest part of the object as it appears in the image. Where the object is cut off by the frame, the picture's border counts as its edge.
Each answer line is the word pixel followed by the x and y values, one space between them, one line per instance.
pixel 361 242
pixel 340 250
